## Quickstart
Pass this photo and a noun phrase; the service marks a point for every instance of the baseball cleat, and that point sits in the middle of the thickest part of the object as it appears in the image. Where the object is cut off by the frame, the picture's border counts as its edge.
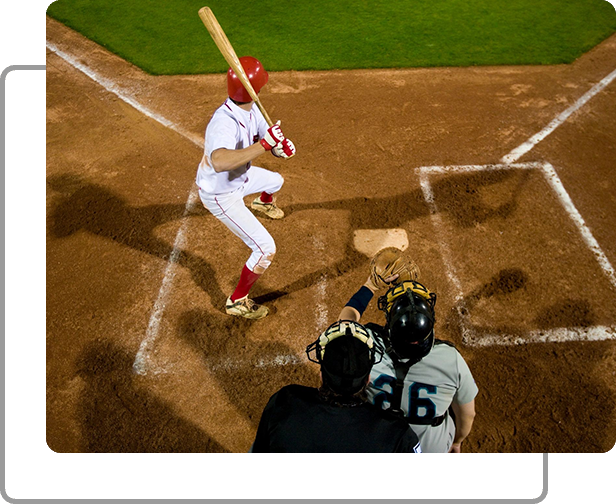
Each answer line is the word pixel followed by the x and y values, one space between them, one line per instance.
pixel 269 209
pixel 246 308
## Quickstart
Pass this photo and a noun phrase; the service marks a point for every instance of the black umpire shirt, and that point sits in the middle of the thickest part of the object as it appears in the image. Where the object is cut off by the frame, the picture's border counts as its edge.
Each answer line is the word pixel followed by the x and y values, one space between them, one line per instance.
pixel 297 420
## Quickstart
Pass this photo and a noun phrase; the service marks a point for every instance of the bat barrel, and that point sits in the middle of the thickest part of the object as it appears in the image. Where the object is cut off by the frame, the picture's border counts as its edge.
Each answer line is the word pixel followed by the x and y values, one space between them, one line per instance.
pixel 226 49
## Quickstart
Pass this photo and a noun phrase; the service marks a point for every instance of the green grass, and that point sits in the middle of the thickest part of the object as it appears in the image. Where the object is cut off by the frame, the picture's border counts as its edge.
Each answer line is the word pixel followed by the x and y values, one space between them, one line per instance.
pixel 167 37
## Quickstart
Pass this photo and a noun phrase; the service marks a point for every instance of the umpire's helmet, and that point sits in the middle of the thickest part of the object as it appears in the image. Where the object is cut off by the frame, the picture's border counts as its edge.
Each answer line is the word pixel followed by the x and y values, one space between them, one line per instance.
pixel 346 352
pixel 409 308
pixel 257 76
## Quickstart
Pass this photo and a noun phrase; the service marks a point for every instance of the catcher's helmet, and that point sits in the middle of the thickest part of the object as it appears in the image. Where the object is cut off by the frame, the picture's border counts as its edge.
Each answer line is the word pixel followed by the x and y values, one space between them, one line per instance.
pixel 409 308
pixel 349 357
pixel 257 76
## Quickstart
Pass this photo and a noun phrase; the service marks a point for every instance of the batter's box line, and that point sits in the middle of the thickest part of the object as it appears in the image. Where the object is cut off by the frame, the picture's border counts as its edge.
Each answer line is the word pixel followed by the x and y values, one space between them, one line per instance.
pixel 557 335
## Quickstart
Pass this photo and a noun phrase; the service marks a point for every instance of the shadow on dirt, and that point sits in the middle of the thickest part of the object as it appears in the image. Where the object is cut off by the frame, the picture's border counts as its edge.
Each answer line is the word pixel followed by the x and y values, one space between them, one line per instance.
pixel 558 391
pixel 462 198
pixel 248 372
pixel 97 210
pixel 458 196
pixel 562 313
pixel 116 416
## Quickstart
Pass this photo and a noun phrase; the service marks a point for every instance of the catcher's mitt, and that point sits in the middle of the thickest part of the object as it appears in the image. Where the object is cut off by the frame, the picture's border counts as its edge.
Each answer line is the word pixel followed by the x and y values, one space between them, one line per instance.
pixel 388 262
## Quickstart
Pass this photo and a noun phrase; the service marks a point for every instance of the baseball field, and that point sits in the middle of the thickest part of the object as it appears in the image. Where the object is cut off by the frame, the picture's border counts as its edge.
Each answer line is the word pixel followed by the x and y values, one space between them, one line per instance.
pixel 492 156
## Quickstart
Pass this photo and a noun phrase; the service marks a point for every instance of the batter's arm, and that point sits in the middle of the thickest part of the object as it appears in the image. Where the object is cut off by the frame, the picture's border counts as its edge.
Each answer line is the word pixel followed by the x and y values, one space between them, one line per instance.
pixel 229 159
pixel 465 416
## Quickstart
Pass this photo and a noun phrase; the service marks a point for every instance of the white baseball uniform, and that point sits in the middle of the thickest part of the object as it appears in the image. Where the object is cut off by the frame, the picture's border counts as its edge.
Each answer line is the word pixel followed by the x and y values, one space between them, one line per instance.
pixel 222 193
pixel 430 387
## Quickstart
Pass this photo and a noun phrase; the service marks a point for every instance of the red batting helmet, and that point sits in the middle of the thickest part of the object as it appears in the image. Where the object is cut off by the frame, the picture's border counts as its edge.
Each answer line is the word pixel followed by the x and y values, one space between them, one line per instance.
pixel 256 75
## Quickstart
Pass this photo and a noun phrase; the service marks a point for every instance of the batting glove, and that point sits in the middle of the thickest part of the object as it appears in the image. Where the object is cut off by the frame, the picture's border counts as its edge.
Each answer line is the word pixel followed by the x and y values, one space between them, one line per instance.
pixel 273 137
pixel 284 149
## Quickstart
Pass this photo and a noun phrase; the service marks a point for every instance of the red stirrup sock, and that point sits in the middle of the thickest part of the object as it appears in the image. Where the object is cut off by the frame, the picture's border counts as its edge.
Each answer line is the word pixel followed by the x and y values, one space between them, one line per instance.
pixel 266 197
pixel 247 279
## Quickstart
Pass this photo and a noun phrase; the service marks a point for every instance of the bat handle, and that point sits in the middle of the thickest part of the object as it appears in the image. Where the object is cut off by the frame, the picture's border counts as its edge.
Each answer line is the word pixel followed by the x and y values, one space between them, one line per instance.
pixel 265 114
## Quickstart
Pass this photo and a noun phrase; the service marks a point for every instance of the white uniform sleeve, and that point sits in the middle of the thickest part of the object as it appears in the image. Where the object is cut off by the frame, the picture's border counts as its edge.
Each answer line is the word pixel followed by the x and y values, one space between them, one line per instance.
pixel 221 133
pixel 468 388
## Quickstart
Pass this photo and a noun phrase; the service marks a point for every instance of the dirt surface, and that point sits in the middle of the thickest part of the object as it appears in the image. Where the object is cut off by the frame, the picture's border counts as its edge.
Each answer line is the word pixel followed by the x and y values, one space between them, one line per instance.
pixel 134 261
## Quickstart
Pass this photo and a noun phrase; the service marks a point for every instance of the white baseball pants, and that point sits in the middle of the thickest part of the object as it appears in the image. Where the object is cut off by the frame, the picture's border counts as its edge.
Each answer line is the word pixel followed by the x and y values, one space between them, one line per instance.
pixel 230 209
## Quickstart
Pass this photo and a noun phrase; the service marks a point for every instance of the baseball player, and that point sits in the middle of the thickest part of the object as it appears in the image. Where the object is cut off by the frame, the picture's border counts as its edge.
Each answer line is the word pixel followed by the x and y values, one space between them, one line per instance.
pixel 236 135
pixel 422 378
pixel 336 418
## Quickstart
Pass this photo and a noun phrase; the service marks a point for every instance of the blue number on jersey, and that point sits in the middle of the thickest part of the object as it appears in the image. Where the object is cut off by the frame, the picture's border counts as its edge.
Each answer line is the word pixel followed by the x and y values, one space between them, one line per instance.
pixel 415 401
pixel 384 396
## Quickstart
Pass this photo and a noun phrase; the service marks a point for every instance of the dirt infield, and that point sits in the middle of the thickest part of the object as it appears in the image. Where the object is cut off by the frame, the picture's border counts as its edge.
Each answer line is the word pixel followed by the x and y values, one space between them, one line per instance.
pixel 138 271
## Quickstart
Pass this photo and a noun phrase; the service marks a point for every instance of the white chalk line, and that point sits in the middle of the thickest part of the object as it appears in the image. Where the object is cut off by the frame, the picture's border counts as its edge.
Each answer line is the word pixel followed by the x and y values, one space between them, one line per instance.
pixel 229 364
pixel 557 185
pixel 125 95
pixel 469 336
pixel 475 168
pixel 143 360
pixel 320 304
pixel 557 335
pixel 436 217
pixel 519 151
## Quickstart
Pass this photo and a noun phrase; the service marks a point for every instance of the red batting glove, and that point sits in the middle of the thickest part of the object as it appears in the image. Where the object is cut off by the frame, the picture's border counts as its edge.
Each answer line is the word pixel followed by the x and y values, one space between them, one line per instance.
pixel 273 137
pixel 284 149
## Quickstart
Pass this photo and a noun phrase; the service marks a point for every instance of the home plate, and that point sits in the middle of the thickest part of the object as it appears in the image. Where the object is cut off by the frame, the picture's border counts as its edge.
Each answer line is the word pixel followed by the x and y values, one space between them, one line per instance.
pixel 370 241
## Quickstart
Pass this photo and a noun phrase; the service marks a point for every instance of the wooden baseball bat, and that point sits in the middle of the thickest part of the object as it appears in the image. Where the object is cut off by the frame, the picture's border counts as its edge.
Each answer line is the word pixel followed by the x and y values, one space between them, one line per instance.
pixel 226 49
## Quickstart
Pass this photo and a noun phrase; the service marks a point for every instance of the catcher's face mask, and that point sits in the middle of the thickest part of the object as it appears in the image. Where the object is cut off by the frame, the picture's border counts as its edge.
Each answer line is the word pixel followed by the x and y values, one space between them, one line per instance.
pixel 409 308
pixel 346 353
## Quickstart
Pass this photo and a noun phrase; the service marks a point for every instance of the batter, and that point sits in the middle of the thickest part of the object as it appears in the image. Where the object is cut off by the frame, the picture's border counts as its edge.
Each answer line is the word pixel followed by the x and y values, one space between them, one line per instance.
pixel 235 136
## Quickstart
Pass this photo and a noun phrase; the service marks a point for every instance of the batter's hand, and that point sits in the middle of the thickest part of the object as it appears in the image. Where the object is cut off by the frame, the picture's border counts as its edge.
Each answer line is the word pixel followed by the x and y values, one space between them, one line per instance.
pixel 273 137
pixel 284 149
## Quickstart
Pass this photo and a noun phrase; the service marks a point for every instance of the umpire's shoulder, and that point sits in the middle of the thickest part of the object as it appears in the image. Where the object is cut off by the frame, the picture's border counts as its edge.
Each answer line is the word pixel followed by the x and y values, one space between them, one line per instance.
pixel 293 391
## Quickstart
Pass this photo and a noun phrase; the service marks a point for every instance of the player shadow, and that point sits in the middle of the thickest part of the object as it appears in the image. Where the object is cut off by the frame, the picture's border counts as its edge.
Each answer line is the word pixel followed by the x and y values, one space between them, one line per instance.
pixel 505 282
pixel 566 312
pixel 84 206
pixel 247 371
pixel 458 196
pixel 116 415
pixel 559 402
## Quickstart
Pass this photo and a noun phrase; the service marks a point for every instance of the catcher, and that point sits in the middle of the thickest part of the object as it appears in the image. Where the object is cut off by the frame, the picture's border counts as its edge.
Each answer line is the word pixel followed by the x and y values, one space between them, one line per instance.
pixel 422 378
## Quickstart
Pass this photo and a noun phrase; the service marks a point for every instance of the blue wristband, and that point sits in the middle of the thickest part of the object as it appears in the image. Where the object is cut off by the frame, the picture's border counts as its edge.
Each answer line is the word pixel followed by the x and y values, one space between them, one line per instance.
pixel 360 299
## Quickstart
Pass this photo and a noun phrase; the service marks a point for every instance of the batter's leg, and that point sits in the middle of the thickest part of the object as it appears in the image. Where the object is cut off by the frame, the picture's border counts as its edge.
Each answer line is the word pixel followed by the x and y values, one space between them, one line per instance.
pixel 232 212
pixel 267 183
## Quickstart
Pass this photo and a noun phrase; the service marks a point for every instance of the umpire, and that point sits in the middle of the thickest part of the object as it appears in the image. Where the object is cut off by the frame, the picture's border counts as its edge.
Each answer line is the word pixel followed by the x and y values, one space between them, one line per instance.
pixel 336 417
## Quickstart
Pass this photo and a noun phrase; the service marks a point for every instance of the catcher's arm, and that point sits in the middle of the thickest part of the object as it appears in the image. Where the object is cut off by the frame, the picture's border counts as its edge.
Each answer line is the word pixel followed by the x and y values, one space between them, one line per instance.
pixel 349 312
pixel 388 266
pixel 465 416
